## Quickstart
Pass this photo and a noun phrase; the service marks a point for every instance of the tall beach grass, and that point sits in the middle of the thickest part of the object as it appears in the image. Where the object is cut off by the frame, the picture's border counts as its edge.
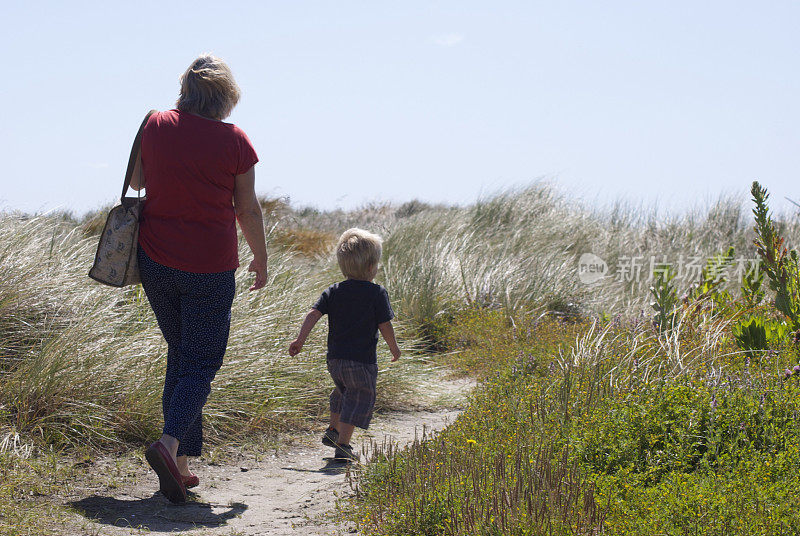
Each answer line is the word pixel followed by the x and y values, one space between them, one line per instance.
pixel 601 421
pixel 519 251
pixel 81 362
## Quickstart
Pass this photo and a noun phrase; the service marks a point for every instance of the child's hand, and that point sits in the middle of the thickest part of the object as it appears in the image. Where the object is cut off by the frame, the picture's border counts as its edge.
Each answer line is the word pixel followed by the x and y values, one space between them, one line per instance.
pixel 308 324
pixel 295 347
pixel 387 331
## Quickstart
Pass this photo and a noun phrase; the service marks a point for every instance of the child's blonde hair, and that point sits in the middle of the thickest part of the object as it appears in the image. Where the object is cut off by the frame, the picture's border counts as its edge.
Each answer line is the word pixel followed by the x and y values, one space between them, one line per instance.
pixel 357 252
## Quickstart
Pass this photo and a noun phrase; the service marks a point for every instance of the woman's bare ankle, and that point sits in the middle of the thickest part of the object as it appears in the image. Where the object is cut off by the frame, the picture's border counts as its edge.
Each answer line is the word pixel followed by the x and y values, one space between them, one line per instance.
pixel 183 465
pixel 171 444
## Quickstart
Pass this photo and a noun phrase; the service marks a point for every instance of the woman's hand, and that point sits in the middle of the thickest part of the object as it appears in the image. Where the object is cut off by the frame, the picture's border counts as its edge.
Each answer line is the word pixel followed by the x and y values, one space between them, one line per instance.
pixel 260 269
pixel 248 212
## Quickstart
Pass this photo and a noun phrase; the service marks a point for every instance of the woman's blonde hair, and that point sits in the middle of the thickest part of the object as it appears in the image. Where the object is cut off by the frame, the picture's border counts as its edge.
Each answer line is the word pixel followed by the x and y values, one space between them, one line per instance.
pixel 357 252
pixel 208 88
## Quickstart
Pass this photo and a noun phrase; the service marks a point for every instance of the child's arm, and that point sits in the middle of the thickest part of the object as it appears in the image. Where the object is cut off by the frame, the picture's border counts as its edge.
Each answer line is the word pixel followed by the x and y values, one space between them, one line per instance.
pixel 308 324
pixel 387 331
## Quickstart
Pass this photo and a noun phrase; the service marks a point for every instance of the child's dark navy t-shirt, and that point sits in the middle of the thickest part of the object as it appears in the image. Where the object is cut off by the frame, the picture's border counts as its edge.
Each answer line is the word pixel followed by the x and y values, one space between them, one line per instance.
pixel 354 308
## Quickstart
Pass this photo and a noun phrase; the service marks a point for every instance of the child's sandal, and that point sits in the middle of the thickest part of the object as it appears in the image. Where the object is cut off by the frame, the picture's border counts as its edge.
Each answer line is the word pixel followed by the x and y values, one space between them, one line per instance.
pixel 330 438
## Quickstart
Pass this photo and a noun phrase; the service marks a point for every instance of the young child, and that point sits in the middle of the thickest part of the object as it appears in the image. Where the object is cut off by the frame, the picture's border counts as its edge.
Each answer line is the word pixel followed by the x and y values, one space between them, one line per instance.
pixel 357 310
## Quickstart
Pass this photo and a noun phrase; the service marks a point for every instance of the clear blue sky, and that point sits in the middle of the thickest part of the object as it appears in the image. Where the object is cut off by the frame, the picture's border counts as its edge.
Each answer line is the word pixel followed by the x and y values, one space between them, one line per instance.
pixel 351 102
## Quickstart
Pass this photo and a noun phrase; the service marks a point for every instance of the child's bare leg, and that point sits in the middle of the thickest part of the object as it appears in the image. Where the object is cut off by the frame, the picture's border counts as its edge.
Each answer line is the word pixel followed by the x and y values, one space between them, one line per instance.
pixel 345 432
pixel 334 420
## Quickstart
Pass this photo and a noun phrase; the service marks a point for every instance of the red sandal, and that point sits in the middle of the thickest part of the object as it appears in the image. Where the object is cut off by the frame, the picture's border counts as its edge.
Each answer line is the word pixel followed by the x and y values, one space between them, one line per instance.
pixel 170 482
pixel 190 481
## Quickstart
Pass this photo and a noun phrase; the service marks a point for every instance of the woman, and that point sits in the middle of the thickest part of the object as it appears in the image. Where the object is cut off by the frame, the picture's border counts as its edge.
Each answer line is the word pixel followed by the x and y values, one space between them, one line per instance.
pixel 200 178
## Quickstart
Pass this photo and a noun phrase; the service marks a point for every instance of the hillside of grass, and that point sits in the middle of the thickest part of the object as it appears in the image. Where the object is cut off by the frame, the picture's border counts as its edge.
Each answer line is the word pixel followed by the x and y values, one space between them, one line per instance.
pixel 599 428
pixel 587 390
pixel 83 363
pixel 681 419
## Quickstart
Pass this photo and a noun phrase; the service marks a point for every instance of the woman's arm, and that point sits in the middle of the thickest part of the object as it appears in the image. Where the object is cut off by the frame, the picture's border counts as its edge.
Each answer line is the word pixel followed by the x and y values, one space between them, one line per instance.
pixel 137 179
pixel 251 220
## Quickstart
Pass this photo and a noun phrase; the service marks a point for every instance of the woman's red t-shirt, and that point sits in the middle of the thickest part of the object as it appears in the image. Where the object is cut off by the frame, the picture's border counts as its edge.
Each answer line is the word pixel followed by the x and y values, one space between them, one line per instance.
pixel 189 164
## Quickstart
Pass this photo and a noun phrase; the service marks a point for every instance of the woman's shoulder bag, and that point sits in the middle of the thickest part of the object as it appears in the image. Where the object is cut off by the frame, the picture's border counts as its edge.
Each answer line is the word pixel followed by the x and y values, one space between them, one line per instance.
pixel 115 262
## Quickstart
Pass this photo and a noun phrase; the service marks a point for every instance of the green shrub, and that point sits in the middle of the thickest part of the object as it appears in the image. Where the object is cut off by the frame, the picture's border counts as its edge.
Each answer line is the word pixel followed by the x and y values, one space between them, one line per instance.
pixel 757 334
pixel 665 299
pixel 752 291
pixel 779 263
pixel 611 430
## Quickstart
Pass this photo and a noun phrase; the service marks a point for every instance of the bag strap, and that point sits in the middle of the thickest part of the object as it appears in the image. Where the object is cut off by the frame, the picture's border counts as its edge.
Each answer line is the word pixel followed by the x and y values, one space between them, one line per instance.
pixel 137 144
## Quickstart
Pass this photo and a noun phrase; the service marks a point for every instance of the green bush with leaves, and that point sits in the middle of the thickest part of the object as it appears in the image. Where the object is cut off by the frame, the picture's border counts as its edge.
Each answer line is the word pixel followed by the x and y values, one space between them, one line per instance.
pixel 752 291
pixel 757 334
pixel 665 298
pixel 603 432
pixel 779 263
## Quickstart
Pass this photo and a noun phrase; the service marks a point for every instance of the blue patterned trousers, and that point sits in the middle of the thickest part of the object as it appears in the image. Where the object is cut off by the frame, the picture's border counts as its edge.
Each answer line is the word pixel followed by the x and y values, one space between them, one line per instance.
pixel 194 314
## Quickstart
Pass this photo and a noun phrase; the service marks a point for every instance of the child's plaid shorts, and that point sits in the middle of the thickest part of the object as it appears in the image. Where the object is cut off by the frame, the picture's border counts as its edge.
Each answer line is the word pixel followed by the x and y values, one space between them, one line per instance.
pixel 354 396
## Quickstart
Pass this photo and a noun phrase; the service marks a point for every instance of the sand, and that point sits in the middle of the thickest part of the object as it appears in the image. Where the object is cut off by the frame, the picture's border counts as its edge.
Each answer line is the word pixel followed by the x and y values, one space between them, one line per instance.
pixel 290 490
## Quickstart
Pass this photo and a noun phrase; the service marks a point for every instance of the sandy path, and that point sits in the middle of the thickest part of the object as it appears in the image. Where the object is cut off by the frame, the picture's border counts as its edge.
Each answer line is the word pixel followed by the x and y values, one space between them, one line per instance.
pixel 290 491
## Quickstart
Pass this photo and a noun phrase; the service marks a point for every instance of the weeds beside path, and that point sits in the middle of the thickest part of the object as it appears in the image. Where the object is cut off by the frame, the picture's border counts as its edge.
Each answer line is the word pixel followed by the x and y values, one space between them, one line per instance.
pixel 285 491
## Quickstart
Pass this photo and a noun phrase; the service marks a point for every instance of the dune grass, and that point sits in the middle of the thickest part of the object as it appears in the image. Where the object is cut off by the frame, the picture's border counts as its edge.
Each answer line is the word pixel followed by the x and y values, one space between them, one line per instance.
pixel 519 251
pixel 26 485
pixel 82 364
pixel 606 420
